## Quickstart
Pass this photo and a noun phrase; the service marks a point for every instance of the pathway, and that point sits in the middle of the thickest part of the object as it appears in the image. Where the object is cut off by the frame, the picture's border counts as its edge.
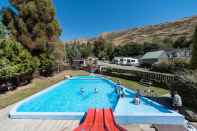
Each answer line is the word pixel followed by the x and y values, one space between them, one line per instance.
pixel 7 124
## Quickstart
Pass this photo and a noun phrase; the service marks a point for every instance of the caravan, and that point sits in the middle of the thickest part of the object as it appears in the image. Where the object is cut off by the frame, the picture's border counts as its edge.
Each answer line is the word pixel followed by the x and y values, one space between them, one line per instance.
pixel 126 61
pixel 132 61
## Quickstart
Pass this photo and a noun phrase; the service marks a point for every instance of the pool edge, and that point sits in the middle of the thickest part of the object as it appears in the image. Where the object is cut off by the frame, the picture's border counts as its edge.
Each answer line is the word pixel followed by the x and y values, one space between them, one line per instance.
pixel 121 118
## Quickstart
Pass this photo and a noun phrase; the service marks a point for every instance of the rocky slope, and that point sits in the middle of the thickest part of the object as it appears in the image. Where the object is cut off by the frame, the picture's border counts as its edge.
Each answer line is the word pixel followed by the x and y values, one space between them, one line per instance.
pixel 152 33
pixel 170 30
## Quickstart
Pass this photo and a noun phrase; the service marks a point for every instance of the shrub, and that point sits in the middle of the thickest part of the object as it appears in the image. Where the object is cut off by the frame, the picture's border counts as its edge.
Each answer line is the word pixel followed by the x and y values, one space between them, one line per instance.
pixel 15 60
pixel 46 64
pixel 171 66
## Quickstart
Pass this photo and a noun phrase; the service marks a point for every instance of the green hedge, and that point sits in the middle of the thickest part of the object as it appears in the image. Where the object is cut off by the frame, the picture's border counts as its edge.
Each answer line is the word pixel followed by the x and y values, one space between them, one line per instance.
pixel 16 63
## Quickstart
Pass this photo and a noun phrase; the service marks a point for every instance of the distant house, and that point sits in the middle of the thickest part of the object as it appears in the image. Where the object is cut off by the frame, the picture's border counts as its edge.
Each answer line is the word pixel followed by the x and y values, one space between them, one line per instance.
pixel 179 53
pixel 77 63
pixel 153 57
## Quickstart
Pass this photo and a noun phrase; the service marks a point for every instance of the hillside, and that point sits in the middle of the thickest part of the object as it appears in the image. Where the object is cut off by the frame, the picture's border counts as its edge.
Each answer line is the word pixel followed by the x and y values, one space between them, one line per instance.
pixel 171 31
pixel 151 33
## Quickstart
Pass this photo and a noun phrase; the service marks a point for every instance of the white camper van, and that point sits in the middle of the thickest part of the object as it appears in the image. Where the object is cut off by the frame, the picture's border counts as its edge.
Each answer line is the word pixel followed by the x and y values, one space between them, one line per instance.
pixel 117 60
pixel 126 61
pixel 132 62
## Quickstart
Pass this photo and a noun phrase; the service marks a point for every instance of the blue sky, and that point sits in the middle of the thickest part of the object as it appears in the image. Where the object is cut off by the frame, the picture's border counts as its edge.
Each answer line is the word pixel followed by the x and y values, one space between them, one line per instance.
pixel 87 18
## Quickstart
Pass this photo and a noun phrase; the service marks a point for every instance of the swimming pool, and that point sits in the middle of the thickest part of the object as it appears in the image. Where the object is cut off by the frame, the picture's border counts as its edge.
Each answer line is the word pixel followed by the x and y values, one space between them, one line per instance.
pixel 70 98
pixel 67 97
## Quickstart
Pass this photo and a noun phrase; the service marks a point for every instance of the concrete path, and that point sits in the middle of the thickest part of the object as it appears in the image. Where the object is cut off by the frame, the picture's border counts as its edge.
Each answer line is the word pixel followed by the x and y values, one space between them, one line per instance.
pixel 7 124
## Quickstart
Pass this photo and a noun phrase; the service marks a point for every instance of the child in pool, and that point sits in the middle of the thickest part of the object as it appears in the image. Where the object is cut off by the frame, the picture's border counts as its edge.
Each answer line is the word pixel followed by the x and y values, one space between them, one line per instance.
pixel 81 90
pixel 95 90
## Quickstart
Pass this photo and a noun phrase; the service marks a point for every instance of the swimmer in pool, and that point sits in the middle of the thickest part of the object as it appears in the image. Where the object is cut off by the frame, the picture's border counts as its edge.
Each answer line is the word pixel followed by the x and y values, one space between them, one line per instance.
pixel 81 90
pixel 95 90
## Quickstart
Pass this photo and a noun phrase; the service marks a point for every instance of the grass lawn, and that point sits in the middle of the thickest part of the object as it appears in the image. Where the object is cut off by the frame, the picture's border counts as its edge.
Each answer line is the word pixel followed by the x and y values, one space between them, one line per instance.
pixel 39 84
pixel 135 85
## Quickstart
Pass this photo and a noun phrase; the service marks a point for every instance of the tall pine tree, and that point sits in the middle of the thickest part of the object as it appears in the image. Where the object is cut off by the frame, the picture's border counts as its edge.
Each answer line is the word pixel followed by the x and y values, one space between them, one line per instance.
pixel 194 50
pixel 32 22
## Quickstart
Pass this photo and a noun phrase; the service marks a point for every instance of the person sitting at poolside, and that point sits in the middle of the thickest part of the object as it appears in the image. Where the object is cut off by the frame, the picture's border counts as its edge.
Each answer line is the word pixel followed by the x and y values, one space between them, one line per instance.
pixel 121 92
pixel 177 102
pixel 117 87
pixel 136 100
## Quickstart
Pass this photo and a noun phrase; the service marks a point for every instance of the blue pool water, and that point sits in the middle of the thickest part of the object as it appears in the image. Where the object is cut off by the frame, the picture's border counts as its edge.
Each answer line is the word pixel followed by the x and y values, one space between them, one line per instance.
pixel 64 101
pixel 66 97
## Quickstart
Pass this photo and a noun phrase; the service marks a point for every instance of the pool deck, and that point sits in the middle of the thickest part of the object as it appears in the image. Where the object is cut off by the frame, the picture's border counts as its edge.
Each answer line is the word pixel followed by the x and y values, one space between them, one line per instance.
pixel 125 112
pixel 7 124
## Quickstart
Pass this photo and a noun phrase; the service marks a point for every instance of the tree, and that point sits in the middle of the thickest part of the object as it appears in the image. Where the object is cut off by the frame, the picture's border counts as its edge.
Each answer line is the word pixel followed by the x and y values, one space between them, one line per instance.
pixel 15 59
pixel 32 22
pixel 108 49
pixel 3 30
pixel 103 49
pixel 86 50
pixel 72 52
pixel 131 49
pixel 181 43
pixel 148 47
pixel 194 50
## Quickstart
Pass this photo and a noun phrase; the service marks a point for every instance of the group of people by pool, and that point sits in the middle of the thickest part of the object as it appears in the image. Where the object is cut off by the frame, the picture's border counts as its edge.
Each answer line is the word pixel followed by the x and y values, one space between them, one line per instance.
pixel 120 92
pixel 176 99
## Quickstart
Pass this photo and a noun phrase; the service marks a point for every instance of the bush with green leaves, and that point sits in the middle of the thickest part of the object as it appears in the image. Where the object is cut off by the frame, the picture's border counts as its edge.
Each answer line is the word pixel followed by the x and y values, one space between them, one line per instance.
pixel 171 66
pixel 46 64
pixel 15 59
pixel 131 49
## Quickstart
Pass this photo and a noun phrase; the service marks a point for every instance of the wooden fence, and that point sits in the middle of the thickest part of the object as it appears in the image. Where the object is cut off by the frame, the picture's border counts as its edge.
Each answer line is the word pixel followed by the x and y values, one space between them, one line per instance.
pixel 142 74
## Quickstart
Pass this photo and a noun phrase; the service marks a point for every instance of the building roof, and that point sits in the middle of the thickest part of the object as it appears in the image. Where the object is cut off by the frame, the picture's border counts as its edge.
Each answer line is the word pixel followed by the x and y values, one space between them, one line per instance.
pixel 153 55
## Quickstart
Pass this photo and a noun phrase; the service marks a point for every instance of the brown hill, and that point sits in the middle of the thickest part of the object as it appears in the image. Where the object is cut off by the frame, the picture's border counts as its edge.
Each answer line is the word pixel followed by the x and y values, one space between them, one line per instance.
pixel 151 33
pixel 171 31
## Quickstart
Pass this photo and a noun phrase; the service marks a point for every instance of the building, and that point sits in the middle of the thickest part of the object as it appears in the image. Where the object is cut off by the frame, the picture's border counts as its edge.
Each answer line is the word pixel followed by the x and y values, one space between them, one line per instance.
pixel 153 57
pixel 179 53
pixel 78 63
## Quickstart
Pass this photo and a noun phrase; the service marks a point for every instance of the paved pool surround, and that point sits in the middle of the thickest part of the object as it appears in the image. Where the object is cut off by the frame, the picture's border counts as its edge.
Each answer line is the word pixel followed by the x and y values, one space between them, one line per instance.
pixel 125 111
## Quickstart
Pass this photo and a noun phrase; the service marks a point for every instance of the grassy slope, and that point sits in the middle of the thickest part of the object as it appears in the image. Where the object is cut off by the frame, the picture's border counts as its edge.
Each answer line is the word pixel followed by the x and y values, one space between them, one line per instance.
pixel 39 84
